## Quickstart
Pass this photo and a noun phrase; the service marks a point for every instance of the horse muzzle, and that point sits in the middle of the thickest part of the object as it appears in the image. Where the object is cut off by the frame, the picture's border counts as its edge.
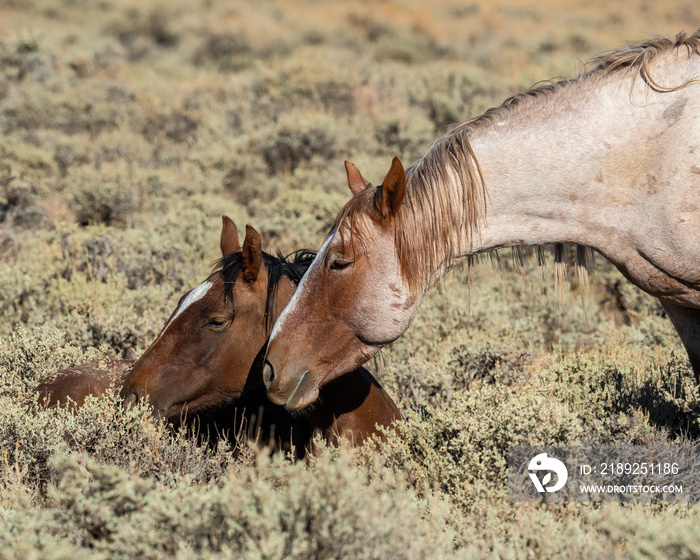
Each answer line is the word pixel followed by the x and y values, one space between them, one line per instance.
pixel 133 394
pixel 298 392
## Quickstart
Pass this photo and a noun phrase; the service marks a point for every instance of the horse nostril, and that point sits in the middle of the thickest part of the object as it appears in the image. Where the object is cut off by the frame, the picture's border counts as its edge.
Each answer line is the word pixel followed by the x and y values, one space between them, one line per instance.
pixel 268 374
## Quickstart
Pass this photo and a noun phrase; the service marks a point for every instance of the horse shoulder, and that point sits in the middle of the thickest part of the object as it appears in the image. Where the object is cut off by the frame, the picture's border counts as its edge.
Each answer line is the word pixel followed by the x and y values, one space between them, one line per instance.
pixel 359 407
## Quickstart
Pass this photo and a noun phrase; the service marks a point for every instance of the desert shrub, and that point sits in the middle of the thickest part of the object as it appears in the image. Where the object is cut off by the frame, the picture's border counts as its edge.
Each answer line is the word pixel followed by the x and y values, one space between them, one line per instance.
pixel 461 450
pixel 27 358
pixel 296 140
pixel 485 365
pixel 449 93
pixel 108 202
pixel 91 319
pixel 667 534
pixel 30 160
pixel 25 275
pixel 23 57
pixel 579 531
pixel 297 218
pixel 71 153
pixel 248 181
pixel 372 28
pixel 312 80
pixel 91 311
pixel 110 433
pixel 459 447
pixel 178 125
pixel 229 52
pixel 140 32
pixel 180 239
pixel 18 202
pixel 130 438
pixel 408 49
pixel 267 510
pixel 445 110
pixel 107 285
pixel 119 146
pixel 249 110
pixel 404 137
pixel 617 403
pixel 85 110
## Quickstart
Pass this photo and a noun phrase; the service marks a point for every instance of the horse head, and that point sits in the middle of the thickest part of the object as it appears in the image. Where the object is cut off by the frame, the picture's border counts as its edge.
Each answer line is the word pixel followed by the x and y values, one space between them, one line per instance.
pixel 203 355
pixel 353 300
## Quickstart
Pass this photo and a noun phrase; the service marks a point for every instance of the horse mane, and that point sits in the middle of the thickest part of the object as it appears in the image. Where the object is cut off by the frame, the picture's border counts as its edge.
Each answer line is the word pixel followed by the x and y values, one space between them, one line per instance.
pixel 293 266
pixel 635 56
pixel 424 234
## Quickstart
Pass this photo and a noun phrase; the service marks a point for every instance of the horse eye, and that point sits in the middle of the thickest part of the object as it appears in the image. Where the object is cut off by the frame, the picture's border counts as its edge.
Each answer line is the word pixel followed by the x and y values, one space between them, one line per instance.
pixel 340 264
pixel 216 323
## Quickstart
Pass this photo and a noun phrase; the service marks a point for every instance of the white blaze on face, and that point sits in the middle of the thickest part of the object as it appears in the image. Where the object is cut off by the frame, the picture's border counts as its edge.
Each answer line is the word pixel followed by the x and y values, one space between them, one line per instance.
pixel 196 294
pixel 316 262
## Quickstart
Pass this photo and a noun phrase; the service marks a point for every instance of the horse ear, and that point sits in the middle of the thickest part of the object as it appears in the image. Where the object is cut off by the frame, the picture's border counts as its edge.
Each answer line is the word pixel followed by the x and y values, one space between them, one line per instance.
pixel 252 255
pixel 229 237
pixel 390 195
pixel 356 181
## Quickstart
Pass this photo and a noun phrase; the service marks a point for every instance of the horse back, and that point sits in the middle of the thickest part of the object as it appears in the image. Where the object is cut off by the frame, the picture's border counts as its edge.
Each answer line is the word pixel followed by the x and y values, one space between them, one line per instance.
pixel 72 385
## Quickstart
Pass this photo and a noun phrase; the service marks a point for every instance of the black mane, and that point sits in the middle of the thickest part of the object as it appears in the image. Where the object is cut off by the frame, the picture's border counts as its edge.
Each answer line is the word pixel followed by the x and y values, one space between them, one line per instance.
pixel 293 266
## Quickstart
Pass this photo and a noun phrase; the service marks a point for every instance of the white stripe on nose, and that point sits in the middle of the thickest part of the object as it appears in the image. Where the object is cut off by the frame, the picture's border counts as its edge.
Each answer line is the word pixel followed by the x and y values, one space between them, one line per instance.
pixel 196 294
pixel 295 296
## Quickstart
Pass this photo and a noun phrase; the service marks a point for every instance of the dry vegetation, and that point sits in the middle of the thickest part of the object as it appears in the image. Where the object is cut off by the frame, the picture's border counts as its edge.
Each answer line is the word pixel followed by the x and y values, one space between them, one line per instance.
pixel 127 128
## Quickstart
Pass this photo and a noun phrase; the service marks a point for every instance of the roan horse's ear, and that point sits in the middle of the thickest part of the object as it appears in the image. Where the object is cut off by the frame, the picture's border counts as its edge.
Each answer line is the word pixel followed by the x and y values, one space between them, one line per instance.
pixel 252 255
pixel 390 195
pixel 356 181
pixel 229 237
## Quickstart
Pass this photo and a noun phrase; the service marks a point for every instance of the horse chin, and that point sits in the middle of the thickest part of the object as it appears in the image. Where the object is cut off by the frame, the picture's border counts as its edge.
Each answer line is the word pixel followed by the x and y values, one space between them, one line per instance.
pixel 181 411
pixel 301 400
pixel 304 393
pixel 177 414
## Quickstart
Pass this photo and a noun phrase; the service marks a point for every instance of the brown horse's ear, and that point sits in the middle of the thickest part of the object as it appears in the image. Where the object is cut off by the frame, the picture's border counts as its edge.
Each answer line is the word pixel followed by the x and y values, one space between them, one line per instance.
pixel 390 195
pixel 252 255
pixel 229 237
pixel 356 181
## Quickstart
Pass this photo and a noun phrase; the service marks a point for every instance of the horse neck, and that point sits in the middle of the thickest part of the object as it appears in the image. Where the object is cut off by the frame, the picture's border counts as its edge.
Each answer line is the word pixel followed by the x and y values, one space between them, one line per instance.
pixel 550 168
pixel 569 166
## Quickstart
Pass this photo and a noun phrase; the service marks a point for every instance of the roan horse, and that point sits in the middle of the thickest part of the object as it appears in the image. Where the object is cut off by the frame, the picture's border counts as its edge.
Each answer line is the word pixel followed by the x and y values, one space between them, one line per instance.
pixel 206 363
pixel 609 161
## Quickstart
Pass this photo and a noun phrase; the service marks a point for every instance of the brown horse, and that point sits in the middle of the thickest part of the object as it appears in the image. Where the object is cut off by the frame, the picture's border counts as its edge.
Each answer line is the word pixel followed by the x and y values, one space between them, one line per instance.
pixel 609 160
pixel 206 363
pixel 73 385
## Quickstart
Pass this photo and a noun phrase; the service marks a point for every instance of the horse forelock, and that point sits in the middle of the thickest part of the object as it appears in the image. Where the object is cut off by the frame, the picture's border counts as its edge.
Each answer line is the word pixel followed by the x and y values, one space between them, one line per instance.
pixel 293 267
pixel 424 224
pixel 351 220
